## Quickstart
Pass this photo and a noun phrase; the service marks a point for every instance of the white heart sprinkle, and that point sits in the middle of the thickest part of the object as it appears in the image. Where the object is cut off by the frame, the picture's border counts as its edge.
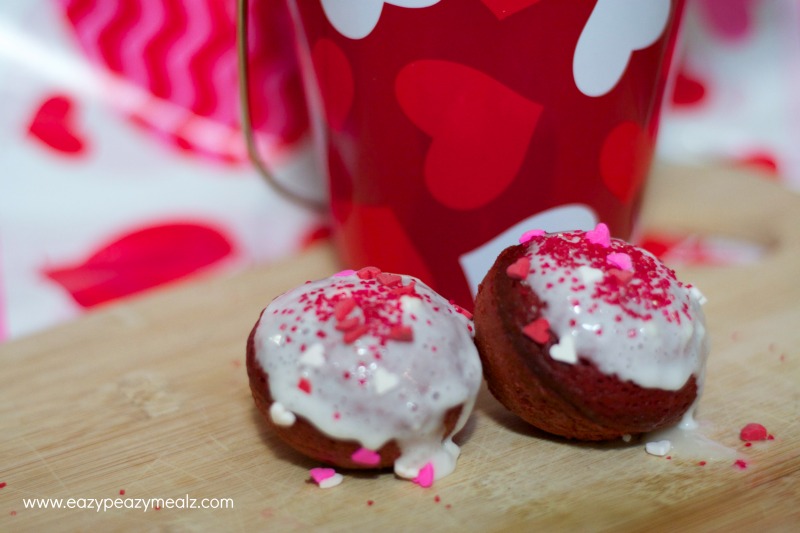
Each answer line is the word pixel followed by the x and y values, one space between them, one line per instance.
pixel 564 351
pixel 590 274
pixel 332 481
pixel 659 447
pixel 280 415
pixel 314 356
pixel 697 295
pixel 384 381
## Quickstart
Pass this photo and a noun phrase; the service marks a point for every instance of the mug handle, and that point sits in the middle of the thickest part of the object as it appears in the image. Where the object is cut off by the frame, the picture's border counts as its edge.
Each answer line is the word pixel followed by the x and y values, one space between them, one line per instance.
pixel 242 15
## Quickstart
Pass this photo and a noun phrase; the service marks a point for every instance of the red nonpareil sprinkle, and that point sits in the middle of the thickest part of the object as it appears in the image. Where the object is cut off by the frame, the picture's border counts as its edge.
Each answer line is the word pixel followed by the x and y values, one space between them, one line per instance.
pixel 519 269
pixel 122 492
pixel 304 385
pixel 702 463
pixel 352 335
pixel 748 444
pixel 461 310
pixel 403 290
pixel 753 432
pixel 425 477
pixel 368 272
pixel 3 484
pixel 538 330
pixel 343 307
pixel 388 280
pixel 437 499
pixel 741 464
pixel 401 333
pixel 370 503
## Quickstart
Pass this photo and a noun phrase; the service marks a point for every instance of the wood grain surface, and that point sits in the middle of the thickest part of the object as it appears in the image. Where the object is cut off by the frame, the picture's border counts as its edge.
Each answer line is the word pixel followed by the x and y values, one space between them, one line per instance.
pixel 149 399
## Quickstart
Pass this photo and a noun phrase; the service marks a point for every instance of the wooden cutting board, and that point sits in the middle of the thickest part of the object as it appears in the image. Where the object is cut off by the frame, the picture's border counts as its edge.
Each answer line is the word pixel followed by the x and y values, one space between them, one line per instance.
pixel 150 398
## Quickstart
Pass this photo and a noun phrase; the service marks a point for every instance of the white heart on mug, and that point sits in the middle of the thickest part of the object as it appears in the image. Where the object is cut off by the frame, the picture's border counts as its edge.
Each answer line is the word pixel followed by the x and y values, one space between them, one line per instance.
pixel 357 18
pixel 615 29
pixel 476 263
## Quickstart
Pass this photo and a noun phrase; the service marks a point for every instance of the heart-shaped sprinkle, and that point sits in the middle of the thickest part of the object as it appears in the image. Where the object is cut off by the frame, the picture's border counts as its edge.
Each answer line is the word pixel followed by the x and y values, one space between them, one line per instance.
pixel 342 308
pixel 425 477
pixel 531 234
pixel 538 330
pixel 401 333
pixel 325 478
pixel 590 274
pixel 368 272
pixel 389 280
pixel 314 356
pixel 620 260
pixel 659 447
pixel 599 235
pixel 348 324
pixel 383 381
pixel 404 290
pixel 519 269
pixel 363 456
pixel 564 351
pixel 354 334
pixel 281 416
pixel 344 273
pixel 304 385
pixel 623 276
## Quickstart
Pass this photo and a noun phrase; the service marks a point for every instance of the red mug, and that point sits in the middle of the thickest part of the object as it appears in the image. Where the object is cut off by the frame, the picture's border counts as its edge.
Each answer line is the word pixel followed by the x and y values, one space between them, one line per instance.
pixel 447 128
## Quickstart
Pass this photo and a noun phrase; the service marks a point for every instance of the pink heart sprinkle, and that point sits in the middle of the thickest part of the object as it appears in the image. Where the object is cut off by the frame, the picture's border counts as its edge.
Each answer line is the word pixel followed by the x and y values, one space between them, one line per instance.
pixel 321 474
pixel 621 261
pixel 530 234
pixel 364 456
pixel 344 273
pixel 425 477
pixel 519 269
pixel 599 235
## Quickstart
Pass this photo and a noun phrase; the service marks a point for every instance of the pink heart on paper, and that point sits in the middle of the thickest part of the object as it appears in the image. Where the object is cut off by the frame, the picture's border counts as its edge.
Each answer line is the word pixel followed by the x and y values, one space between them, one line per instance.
pixel 625 160
pixel 335 79
pixel 54 125
pixel 506 8
pixel 480 130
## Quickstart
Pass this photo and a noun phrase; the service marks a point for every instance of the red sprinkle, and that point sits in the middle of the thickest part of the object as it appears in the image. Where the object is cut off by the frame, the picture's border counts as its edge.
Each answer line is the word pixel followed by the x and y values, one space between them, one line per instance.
pixel 368 272
pixel 122 492
pixel 2 484
pixel 403 290
pixel 304 385
pixel 538 330
pixel 740 464
pixel 702 463
pixel 354 334
pixel 519 269
pixel 389 280
pixel 401 333
pixel 753 432
pixel 437 499
pixel 348 323
pixel 370 502
pixel 624 276
pixel 342 308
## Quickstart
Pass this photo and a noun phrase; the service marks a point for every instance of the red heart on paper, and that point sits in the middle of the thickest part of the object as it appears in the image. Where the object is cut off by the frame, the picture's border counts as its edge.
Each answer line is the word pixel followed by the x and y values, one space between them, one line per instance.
pixel 481 130
pixel 506 8
pixel 625 160
pixel 141 260
pixel 335 79
pixel 53 124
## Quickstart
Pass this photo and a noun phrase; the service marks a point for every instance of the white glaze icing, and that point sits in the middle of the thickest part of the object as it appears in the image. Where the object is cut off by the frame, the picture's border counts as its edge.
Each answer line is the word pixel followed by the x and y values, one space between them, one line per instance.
pixel 412 359
pixel 642 324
